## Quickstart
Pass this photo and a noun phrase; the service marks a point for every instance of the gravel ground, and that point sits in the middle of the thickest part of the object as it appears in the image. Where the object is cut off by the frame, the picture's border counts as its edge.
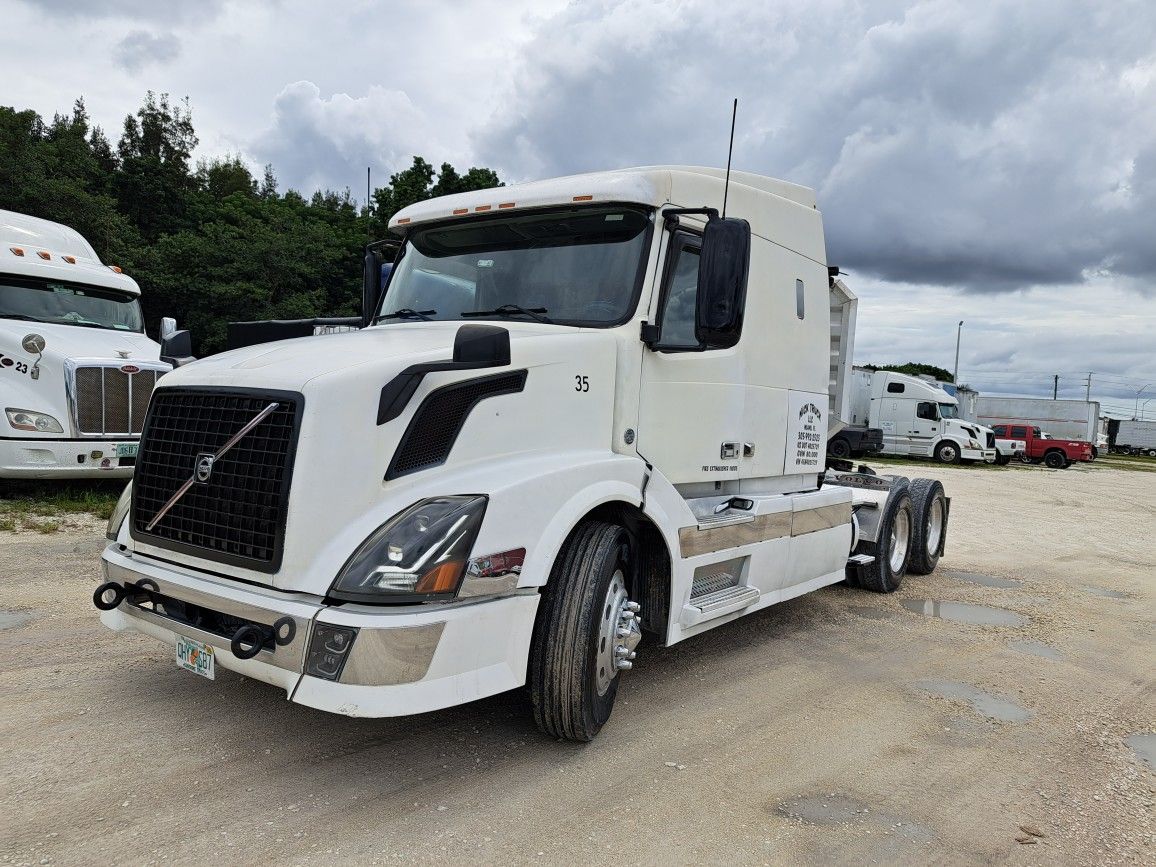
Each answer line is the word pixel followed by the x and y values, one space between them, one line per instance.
pixel 840 727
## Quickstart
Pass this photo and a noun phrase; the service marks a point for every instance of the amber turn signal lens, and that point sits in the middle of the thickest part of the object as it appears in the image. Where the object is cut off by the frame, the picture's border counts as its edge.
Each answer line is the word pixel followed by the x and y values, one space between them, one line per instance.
pixel 442 578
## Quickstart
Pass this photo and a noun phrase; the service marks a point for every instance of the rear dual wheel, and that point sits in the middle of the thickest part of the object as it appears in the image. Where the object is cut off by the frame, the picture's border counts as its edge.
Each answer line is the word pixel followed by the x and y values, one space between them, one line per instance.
pixel 892 548
pixel 929 505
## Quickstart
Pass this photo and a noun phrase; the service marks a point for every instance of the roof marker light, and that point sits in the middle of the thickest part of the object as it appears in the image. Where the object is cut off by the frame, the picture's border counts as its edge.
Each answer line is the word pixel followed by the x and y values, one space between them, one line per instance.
pixel 459 211
pixel 483 207
pixel 583 198
pixel 71 260
pixel 505 205
pixel 116 268
pixel 403 221
pixel 17 251
pixel 43 254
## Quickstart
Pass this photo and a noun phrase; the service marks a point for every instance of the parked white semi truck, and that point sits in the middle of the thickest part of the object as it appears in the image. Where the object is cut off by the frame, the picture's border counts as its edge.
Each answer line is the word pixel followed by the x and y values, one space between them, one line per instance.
pixel 583 411
pixel 76 367
pixel 918 418
pixel 1136 437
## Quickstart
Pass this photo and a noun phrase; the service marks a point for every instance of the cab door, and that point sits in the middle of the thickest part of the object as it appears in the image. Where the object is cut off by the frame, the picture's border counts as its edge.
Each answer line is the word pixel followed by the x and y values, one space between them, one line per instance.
pixel 925 426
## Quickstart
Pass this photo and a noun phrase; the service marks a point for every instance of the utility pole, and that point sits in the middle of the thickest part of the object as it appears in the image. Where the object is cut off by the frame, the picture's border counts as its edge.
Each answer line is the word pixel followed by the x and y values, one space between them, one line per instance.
pixel 955 373
pixel 368 200
pixel 1088 393
pixel 1055 386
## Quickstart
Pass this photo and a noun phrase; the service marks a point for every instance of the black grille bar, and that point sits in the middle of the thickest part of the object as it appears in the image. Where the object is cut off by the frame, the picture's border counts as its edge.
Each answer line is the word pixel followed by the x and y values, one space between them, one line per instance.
pixel 237 515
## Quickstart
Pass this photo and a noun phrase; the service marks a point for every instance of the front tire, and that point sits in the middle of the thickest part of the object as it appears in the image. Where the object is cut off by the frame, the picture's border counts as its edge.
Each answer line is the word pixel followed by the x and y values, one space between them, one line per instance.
pixel 947 452
pixel 1002 460
pixel 578 647
pixel 929 506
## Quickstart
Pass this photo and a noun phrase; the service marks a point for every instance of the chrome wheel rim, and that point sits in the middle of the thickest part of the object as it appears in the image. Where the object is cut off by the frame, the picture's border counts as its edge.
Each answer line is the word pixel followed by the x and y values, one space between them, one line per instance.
pixel 900 536
pixel 948 453
pixel 934 525
pixel 618 634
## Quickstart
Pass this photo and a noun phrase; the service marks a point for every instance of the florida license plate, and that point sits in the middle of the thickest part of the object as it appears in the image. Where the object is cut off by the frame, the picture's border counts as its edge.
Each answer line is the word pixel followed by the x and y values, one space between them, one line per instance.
pixel 127 450
pixel 196 656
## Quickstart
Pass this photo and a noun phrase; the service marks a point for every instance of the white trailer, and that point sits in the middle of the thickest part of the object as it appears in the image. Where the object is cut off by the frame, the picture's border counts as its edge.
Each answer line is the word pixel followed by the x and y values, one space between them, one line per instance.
pixel 76 367
pixel 918 418
pixel 1063 419
pixel 567 425
pixel 1136 437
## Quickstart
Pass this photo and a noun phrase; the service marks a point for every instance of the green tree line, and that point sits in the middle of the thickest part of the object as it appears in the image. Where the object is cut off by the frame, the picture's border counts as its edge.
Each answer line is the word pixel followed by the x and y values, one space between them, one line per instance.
pixel 208 242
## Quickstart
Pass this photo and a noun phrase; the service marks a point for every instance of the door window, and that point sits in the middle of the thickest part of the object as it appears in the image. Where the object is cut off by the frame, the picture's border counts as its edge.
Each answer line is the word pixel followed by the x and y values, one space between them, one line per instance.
pixel 926 410
pixel 680 295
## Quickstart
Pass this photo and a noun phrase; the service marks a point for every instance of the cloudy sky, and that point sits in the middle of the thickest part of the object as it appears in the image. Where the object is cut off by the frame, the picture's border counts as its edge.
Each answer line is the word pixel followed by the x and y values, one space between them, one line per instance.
pixel 992 162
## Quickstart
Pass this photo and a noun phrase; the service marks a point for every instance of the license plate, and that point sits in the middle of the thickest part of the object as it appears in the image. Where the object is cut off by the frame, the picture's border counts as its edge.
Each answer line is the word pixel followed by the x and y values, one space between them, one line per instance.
pixel 127 450
pixel 196 656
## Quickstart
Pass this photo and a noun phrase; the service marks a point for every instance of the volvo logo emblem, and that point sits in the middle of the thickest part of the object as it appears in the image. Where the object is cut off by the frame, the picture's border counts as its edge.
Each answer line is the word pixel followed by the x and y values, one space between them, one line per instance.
pixel 33 344
pixel 204 467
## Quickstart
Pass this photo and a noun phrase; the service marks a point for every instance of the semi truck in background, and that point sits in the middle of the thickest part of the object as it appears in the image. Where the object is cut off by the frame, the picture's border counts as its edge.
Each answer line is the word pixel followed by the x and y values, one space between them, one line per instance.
pixel 565 426
pixel 918 419
pixel 1062 419
pixel 1134 437
pixel 76 367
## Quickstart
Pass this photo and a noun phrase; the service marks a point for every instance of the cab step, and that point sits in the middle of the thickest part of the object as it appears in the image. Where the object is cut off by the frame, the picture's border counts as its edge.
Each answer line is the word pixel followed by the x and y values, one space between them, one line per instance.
pixel 718 603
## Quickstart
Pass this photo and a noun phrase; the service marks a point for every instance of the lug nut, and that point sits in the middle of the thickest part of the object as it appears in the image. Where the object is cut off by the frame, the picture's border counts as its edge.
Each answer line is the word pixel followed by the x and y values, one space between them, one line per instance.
pixel 624 665
pixel 634 606
pixel 621 632
pixel 627 616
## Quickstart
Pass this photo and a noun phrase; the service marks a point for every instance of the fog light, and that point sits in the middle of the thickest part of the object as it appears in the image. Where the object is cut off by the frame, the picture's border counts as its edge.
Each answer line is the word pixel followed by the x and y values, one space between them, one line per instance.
pixel 328 650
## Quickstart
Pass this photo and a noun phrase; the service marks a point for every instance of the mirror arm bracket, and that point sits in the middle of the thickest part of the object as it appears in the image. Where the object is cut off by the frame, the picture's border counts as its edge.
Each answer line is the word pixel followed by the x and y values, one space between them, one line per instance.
pixel 670 215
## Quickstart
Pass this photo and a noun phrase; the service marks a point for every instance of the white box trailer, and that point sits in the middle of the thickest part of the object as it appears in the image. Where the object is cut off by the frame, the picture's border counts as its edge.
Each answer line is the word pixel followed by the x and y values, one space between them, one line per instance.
pixel 1063 419
pixel 76 367
pixel 583 411
pixel 1136 437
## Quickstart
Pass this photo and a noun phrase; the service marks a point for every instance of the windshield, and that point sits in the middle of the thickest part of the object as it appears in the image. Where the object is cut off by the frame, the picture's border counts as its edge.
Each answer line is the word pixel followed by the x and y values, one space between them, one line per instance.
pixel 949 410
pixel 69 304
pixel 580 266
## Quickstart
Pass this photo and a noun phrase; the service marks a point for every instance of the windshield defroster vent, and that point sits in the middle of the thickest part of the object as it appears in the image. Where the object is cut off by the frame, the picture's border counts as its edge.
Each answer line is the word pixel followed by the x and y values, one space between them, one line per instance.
pixel 435 426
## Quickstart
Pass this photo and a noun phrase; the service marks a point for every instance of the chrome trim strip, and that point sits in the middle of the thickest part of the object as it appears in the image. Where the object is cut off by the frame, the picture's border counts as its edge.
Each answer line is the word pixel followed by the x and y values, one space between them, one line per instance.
pixel 694 541
pixel 384 657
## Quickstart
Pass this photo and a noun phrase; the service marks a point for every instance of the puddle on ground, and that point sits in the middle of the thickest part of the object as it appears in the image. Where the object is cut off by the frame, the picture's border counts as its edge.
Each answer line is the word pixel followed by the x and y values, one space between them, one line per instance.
pixel 1107 594
pixel 13 619
pixel 982 580
pixel 965 612
pixel 870 613
pixel 824 809
pixel 1036 648
pixel 991 706
pixel 1144 745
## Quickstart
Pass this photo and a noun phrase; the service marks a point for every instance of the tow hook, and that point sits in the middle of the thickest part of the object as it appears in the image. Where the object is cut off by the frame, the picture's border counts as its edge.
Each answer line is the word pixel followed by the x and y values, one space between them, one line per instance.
pixel 249 640
pixel 102 601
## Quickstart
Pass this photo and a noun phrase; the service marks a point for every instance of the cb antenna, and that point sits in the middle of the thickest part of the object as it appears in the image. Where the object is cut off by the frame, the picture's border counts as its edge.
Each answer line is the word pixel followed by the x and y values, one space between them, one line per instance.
pixel 730 150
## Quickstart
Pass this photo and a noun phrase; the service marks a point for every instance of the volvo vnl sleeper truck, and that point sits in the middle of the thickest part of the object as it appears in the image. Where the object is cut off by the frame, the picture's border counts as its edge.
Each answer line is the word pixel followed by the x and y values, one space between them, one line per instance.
pixel 76 367
pixel 582 412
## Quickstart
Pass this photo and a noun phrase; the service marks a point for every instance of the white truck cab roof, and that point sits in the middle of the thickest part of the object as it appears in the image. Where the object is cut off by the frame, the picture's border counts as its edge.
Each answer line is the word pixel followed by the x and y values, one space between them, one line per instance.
pixel 32 247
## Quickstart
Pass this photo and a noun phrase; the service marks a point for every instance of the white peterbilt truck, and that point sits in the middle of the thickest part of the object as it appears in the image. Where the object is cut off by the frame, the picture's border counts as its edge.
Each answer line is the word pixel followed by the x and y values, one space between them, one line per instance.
pixel 76 367
pixel 581 412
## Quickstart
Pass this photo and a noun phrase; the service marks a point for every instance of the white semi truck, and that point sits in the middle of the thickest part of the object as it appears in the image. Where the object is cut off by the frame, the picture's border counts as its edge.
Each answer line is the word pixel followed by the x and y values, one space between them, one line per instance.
pixel 76 367
pixel 1136 437
pixel 918 419
pixel 582 412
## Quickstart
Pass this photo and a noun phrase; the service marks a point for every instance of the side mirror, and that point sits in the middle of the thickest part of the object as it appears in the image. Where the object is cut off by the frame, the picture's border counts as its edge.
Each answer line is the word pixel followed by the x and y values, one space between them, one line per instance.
pixel 371 281
pixel 168 327
pixel 177 348
pixel 722 282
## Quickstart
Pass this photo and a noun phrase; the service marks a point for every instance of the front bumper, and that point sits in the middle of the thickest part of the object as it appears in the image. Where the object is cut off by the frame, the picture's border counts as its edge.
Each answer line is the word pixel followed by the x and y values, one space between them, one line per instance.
pixel 403 660
pixel 61 459
pixel 985 455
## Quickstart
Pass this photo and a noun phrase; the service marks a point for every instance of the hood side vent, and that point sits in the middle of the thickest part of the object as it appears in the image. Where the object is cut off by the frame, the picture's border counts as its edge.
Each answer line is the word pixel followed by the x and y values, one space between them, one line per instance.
pixel 435 426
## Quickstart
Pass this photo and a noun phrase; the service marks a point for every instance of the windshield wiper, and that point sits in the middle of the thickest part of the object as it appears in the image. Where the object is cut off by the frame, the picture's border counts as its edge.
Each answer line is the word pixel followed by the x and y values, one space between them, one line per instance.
pixel 20 316
pixel 408 313
pixel 511 310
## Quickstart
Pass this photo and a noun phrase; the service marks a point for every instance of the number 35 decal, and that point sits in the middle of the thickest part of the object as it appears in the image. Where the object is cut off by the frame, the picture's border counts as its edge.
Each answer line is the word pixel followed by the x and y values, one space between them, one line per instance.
pixel 582 383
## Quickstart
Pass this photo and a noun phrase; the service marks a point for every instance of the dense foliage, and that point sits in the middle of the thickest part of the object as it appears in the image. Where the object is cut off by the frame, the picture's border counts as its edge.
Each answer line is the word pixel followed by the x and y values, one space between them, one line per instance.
pixel 208 243
pixel 913 368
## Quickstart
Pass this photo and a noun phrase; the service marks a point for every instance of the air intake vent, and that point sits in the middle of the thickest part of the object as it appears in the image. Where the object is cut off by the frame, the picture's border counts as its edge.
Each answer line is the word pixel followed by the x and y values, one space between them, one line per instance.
pixel 435 426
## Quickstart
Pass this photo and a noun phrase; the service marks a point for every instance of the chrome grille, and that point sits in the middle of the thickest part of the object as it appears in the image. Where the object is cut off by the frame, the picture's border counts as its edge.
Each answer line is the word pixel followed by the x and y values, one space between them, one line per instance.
pixel 107 401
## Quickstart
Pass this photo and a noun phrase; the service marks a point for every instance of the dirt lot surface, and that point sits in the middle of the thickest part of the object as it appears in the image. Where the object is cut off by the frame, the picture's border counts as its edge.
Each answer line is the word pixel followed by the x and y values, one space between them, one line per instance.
pixel 840 727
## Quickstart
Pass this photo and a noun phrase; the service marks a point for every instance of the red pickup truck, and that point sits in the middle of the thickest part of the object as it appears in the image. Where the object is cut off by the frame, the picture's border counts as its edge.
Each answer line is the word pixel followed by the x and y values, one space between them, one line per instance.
pixel 1054 453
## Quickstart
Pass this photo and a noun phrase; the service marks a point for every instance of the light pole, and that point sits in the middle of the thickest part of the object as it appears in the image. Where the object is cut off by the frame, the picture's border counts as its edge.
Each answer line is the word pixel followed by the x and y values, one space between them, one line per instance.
pixel 955 373
pixel 1136 408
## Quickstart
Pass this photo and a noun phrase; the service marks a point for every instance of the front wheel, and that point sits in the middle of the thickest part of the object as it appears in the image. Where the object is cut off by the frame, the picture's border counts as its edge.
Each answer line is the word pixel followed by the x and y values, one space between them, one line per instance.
pixel 839 448
pixel 586 633
pixel 947 452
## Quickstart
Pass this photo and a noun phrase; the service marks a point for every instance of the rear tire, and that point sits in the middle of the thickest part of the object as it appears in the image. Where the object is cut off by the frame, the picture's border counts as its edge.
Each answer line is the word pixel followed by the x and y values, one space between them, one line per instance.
pixel 569 697
pixel 1002 460
pixel 1055 460
pixel 839 448
pixel 947 452
pixel 929 506
pixel 893 550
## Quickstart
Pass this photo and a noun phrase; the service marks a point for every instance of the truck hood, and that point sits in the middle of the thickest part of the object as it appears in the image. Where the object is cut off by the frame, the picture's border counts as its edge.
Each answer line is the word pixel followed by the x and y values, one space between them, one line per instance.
pixel 71 341
pixel 339 493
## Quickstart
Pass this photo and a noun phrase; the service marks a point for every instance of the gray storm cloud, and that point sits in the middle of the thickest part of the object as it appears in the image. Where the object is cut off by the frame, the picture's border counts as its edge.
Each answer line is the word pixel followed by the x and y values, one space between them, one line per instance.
pixel 141 48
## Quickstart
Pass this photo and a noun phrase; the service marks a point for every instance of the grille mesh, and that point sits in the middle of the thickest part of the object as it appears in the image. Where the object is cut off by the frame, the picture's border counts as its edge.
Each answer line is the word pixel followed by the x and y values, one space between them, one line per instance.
pixel 435 426
pixel 110 401
pixel 238 516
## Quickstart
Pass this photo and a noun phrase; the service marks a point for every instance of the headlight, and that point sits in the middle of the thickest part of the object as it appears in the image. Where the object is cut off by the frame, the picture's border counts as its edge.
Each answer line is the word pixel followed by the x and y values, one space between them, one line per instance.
pixel 119 513
pixel 419 552
pixel 974 444
pixel 26 419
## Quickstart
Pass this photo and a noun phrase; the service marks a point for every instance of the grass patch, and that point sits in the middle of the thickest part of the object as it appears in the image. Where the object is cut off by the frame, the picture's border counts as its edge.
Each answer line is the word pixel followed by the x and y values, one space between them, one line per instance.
pixel 29 502
pixel 41 525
